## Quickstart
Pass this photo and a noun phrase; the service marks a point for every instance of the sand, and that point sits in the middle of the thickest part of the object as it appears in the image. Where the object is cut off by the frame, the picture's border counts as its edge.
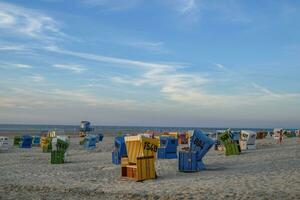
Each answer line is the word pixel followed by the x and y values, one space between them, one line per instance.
pixel 269 172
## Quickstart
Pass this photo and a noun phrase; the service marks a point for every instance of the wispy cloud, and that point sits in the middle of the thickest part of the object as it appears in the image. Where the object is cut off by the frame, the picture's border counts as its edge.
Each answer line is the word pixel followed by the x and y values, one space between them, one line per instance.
pixel 154 47
pixel 194 10
pixel 28 22
pixel 189 9
pixel 188 6
pixel 71 67
pixel 26 98
pixel 12 48
pixel 107 59
pixel 173 83
pixel 269 93
pixel 220 66
pixel 6 19
pixel 24 66
pixel 189 88
pixel 8 65
pixel 37 78
pixel 68 95
pixel 93 100
pixel 264 90
pixel 184 7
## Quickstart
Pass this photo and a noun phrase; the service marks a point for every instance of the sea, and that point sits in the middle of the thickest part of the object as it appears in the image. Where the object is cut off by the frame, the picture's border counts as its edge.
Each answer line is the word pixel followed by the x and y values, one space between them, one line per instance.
pixel 21 129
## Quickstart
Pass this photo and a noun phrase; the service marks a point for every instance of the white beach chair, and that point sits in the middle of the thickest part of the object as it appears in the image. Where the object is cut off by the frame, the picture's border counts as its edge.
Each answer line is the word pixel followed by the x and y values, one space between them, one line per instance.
pixel 247 139
pixel 4 143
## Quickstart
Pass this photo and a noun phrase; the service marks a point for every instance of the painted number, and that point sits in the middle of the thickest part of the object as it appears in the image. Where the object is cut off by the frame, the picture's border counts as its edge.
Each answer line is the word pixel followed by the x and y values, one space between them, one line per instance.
pixel 148 146
pixel 198 143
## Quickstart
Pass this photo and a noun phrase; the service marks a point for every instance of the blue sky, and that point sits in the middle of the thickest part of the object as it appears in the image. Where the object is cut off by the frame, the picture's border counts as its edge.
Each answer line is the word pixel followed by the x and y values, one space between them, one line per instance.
pixel 203 63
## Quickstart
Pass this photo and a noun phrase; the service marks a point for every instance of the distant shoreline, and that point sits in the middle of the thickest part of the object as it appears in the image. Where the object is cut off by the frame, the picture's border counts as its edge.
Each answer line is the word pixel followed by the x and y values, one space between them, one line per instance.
pixel 20 129
pixel 142 126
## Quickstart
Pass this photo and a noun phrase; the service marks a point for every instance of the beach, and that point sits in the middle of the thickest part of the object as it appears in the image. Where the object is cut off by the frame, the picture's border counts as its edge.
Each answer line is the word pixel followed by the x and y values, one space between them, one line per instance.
pixel 193 79
pixel 269 172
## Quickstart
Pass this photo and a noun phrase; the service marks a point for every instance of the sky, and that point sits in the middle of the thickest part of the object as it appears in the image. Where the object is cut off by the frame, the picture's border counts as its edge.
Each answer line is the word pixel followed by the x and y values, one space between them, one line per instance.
pixel 203 63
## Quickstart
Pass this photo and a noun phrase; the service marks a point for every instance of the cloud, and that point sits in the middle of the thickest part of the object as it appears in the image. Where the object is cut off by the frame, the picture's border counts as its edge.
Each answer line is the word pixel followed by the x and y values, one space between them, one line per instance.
pixel 27 22
pixel 25 98
pixel 188 9
pixel 12 48
pixel 189 89
pixel 154 47
pixel 268 93
pixel 23 66
pixel 264 90
pixel 7 65
pixel 68 95
pixel 6 19
pixel 188 6
pixel 37 78
pixel 171 81
pixel 11 102
pixel 220 66
pixel 173 84
pixel 92 100
pixel 194 10
pixel 107 59
pixel 163 75
pixel 181 87
pixel 151 76
pixel 183 7
pixel 71 67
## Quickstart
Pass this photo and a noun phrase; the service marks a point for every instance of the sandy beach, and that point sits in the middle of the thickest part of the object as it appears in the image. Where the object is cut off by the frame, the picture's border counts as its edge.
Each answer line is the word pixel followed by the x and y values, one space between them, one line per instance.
pixel 203 72
pixel 269 172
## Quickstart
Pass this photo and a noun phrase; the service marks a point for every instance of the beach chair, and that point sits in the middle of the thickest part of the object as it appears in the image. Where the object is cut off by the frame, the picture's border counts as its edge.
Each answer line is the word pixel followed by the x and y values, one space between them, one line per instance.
pixel 85 127
pixel 90 142
pixel 247 139
pixel 191 160
pixel 261 134
pixel 51 134
pixel 119 150
pixel 231 146
pixel 99 137
pixel 182 138
pixel 17 140
pixel 59 149
pixel 46 144
pixel 167 147
pixel 4 143
pixel 26 141
pixel 139 164
pixel 36 140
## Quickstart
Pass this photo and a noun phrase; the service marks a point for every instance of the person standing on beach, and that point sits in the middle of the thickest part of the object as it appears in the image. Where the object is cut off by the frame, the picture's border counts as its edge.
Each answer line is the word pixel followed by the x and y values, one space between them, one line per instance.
pixel 280 137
